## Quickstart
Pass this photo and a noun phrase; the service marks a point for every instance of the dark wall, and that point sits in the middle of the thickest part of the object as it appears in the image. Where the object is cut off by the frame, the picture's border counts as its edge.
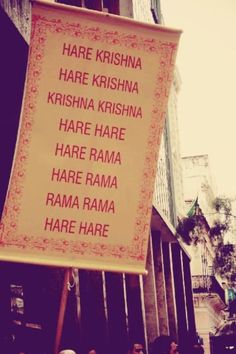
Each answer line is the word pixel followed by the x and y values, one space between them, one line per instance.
pixel 13 61
pixel 37 281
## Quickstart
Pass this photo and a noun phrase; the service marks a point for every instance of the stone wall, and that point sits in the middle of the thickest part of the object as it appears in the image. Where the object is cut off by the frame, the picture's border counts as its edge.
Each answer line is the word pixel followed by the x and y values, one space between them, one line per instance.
pixel 19 11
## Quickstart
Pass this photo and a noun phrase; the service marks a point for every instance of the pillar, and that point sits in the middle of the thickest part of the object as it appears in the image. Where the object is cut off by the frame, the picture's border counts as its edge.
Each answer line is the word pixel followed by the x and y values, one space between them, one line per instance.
pixel 170 290
pixel 93 319
pixel 134 305
pixel 181 309
pixel 116 313
pixel 160 284
pixel 150 297
pixel 189 297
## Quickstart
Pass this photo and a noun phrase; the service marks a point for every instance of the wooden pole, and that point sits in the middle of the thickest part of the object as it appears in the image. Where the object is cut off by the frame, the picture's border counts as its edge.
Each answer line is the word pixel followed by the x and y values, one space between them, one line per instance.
pixel 62 310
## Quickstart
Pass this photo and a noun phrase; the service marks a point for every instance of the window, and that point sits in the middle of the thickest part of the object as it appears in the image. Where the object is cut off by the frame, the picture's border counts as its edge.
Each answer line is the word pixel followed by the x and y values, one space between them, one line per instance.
pixel 110 6
pixel 155 9
pixel 17 302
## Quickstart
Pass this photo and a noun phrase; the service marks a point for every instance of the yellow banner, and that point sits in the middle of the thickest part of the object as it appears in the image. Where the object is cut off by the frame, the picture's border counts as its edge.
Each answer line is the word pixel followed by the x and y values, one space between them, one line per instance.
pixel 81 186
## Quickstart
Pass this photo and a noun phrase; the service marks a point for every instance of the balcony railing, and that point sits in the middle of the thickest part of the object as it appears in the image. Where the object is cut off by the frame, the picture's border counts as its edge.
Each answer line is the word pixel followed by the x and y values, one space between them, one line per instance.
pixel 207 284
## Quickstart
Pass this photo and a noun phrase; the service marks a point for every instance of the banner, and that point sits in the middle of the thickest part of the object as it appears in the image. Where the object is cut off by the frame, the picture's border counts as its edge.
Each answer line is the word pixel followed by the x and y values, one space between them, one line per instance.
pixel 82 182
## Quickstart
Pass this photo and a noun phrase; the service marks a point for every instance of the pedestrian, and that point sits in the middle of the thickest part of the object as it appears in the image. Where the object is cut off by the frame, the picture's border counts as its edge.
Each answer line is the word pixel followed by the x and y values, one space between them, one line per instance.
pixel 165 345
pixel 198 349
pixel 92 350
pixel 136 347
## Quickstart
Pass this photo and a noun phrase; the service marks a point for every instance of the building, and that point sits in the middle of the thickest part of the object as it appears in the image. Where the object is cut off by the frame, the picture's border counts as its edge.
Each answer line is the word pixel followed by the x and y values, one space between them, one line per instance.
pixel 198 182
pixel 104 309
pixel 208 287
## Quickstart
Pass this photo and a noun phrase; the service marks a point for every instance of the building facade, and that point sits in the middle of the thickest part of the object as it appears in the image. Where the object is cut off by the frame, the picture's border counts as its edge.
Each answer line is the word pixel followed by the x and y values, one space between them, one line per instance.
pixel 106 310
pixel 199 183
pixel 208 287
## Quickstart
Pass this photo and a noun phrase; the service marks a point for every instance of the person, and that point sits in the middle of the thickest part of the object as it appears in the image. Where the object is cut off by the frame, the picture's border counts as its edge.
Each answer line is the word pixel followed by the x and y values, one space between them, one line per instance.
pixel 165 345
pixel 198 349
pixel 67 351
pixel 92 350
pixel 135 348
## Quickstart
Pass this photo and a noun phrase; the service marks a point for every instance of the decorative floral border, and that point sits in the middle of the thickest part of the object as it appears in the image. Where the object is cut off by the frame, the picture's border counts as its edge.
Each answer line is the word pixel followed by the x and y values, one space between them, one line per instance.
pixel 41 26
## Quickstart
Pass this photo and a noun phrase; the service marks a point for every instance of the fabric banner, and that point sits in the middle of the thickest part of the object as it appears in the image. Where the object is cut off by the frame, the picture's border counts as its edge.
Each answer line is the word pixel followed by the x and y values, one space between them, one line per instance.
pixel 81 187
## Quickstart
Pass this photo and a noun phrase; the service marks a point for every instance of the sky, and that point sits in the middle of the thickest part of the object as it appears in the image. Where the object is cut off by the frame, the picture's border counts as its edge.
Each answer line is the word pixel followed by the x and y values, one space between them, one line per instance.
pixel 206 61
